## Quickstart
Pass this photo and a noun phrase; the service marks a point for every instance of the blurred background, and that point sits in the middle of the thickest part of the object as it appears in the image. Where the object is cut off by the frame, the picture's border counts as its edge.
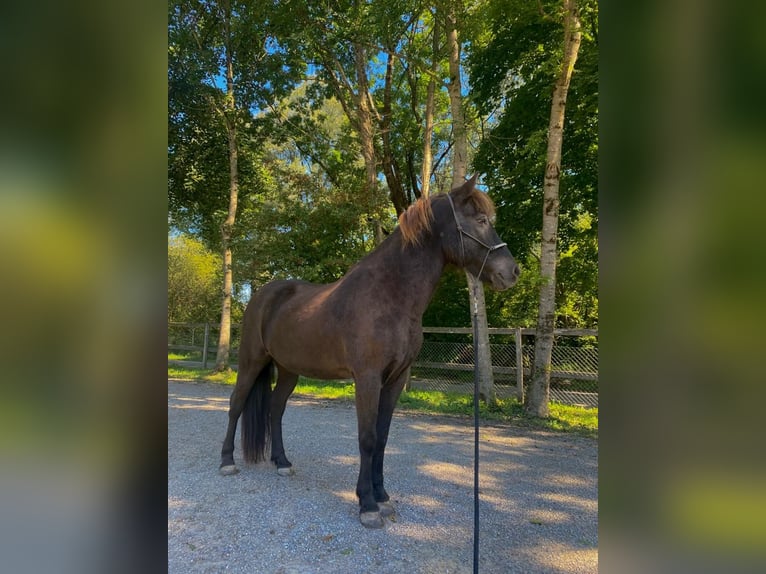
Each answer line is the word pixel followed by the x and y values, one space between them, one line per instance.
pixel 683 146
pixel 83 110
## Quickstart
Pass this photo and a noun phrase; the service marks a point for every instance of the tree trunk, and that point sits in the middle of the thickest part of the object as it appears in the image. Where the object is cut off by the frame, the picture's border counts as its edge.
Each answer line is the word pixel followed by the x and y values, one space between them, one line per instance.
pixel 454 88
pixel 483 357
pixel 224 338
pixel 486 380
pixel 390 168
pixel 539 388
pixel 366 136
pixel 429 119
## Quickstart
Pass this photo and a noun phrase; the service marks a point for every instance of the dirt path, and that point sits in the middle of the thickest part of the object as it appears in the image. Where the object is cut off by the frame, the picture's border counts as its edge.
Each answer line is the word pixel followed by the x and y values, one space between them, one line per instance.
pixel 538 496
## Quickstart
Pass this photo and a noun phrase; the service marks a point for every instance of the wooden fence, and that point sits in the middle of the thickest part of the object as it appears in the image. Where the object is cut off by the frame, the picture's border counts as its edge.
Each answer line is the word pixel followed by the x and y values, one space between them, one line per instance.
pixel 448 365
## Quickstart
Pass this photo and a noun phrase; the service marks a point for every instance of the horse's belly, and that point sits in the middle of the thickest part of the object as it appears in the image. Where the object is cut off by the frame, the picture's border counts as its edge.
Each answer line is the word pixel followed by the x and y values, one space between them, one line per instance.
pixel 316 370
pixel 321 357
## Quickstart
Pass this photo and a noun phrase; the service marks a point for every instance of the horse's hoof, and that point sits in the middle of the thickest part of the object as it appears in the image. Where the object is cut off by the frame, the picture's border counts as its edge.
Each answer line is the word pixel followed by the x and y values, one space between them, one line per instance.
pixel 371 519
pixel 285 471
pixel 228 470
pixel 386 509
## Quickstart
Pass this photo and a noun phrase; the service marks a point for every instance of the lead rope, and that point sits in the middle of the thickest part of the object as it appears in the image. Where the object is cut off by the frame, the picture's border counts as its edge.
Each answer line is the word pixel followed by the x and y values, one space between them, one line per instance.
pixel 490 249
pixel 476 432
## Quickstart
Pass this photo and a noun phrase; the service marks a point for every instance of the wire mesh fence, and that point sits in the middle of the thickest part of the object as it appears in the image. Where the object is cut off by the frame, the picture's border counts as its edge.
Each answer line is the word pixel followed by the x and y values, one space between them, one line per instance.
pixel 445 362
pixel 197 343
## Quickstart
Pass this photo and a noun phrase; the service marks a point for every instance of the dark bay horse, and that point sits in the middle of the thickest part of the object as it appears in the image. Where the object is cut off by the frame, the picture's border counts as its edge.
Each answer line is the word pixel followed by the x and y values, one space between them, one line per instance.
pixel 366 326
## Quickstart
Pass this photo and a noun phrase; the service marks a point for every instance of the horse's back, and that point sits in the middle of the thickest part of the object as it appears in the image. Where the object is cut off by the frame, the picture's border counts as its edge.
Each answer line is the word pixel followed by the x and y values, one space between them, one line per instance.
pixel 274 302
pixel 275 293
pixel 298 327
pixel 334 330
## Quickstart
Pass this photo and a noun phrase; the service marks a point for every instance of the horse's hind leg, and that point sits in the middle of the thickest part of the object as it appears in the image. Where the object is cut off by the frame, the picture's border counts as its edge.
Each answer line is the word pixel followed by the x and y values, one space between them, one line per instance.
pixel 246 376
pixel 286 382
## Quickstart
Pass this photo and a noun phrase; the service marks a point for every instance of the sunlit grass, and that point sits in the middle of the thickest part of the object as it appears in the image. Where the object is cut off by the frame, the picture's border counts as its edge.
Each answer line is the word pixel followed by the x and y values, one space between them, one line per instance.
pixel 568 418
pixel 564 418
pixel 196 374
pixel 325 389
pixel 188 356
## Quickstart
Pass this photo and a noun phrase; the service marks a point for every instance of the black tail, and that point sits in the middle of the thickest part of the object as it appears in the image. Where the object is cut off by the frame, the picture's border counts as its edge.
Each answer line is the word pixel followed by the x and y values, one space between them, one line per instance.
pixel 256 416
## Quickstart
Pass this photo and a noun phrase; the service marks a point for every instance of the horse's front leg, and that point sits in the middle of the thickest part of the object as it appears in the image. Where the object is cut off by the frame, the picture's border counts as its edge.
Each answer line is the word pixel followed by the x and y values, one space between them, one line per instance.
pixel 367 398
pixel 389 396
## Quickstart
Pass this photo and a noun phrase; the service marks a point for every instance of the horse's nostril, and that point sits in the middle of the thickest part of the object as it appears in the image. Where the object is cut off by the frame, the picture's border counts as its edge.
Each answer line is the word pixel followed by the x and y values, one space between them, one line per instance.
pixel 516 271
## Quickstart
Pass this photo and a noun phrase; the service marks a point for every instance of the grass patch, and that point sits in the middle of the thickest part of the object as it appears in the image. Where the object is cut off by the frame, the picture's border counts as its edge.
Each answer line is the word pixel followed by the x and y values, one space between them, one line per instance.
pixel 185 356
pixel 197 374
pixel 563 418
pixel 325 389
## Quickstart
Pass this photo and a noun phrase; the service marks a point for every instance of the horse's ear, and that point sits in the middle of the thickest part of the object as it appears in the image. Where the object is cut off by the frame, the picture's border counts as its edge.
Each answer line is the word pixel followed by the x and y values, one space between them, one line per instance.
pixel 464 191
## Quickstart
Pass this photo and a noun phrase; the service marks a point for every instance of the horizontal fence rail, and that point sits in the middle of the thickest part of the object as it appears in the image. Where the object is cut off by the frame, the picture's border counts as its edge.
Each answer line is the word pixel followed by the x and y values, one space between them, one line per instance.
pixel 445 362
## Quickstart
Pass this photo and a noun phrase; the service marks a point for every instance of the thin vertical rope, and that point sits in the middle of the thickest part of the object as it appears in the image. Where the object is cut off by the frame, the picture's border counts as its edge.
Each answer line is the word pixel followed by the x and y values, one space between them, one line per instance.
pixel 475 435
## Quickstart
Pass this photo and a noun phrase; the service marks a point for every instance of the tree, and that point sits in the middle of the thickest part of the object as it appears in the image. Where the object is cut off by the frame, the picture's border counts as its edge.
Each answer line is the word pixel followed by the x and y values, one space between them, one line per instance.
pixel 376 59
pixel 194 275
pixel 513 75
pixel 229 114
pixel 334 40
pixel 483 356
pixel 215 41
pixel 305 219
pixel 428 129
pixel 537 398
pixel 322 170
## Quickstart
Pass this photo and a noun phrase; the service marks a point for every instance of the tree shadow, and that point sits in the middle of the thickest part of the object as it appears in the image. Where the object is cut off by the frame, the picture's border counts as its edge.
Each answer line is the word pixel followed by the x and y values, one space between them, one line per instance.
pixel 538 493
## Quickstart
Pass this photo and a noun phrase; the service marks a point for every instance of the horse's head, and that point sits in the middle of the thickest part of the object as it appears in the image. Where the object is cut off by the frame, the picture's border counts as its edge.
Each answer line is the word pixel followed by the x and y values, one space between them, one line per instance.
pixel 471 242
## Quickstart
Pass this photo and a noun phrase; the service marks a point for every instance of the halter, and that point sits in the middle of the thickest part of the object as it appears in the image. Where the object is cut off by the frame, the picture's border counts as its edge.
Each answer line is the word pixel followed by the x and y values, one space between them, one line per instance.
pixel 489 248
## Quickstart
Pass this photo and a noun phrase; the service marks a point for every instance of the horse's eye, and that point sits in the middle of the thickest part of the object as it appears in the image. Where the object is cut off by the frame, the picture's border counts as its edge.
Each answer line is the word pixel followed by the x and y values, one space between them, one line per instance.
pixel 482 219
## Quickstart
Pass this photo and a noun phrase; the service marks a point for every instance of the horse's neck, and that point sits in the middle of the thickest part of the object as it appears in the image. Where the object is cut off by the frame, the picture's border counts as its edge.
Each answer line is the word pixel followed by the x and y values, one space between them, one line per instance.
pixel 413 271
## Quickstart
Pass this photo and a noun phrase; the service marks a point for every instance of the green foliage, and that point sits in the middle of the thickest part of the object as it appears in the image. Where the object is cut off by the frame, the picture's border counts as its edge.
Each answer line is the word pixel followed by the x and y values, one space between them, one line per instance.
pixel 305 219
pixel 194 280
pixel 228 377
pixel 343 390
pixel 449 306
pixel 513 75
pixel 200 35
pixel 565 418
pixel 309 232
pixel 518 306
pixel 303 211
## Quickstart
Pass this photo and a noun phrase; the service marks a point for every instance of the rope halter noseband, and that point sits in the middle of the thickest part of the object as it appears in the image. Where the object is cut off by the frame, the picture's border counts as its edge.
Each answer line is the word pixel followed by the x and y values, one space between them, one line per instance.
pixel 489 248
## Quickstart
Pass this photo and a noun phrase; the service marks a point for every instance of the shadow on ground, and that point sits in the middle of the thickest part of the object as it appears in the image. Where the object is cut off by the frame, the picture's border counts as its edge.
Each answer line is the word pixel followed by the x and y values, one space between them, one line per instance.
pixel 538 496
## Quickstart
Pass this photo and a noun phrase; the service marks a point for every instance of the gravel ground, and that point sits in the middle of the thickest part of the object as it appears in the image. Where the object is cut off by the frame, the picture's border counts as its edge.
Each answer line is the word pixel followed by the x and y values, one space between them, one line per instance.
pixel 538 496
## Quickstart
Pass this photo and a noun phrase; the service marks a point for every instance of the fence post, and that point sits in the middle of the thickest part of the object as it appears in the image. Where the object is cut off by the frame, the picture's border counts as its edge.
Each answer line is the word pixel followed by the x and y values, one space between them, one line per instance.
pixel 409 378
pixel 519 366
pixel 204 346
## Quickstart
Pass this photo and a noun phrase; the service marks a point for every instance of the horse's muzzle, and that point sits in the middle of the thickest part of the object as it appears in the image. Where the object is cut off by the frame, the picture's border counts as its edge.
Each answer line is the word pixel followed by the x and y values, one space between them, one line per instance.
pixel 506 278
